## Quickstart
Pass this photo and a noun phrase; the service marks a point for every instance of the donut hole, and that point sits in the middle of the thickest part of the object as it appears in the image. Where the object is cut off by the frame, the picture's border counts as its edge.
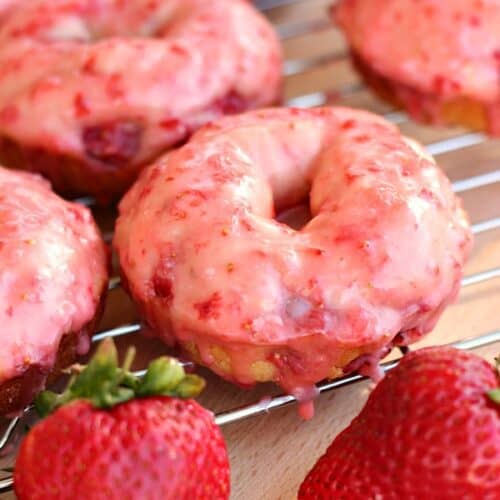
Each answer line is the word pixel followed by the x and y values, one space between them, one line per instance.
pixel 70 28
pixel 296 216
pixel 78 30
pixel 66 23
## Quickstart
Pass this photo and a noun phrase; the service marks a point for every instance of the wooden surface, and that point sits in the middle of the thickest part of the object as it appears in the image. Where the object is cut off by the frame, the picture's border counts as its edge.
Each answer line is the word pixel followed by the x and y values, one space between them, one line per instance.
pixel 271 454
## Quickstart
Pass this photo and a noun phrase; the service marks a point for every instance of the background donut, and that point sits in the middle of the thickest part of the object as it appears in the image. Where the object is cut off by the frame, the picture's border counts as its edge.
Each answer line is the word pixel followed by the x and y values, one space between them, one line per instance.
pixel 53 275
pixel 111 84
pixel 440 60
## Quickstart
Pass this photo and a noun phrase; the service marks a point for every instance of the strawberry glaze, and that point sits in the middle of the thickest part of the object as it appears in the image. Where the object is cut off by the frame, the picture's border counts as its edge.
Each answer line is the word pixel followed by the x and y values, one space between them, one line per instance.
pixel 436 50
pixel 53 270
pixel 157 69
pixel 256 300
pixel 6 6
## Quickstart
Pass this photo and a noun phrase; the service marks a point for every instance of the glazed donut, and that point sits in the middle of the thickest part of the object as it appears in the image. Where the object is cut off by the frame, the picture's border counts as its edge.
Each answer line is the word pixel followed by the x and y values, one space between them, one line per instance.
pixel 438 59
pixel 254 299
pixel 53 274
pixel 91 90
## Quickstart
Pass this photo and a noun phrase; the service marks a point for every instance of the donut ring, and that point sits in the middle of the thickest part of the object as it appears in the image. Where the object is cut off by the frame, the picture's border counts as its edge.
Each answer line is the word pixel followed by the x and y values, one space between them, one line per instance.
pixel 439 60
pixel 53 275
pixel 111 84
pixel 255 300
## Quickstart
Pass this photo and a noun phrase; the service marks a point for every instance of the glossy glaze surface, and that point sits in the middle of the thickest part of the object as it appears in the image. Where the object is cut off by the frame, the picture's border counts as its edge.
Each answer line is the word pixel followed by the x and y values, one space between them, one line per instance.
pixel 5 6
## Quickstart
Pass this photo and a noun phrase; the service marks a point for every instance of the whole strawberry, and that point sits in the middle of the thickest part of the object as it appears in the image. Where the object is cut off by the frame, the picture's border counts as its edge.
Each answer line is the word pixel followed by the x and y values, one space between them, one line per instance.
pixel 104 443
pixel 430 430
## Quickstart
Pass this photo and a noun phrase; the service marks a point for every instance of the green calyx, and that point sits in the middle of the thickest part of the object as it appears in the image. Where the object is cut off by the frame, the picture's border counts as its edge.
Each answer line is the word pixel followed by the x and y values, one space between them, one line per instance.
pixel 105 384
pixel 494 394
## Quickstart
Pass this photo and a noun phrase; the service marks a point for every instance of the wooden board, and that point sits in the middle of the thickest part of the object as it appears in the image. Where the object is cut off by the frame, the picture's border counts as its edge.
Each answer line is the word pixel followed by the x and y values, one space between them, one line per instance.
pixel 271 454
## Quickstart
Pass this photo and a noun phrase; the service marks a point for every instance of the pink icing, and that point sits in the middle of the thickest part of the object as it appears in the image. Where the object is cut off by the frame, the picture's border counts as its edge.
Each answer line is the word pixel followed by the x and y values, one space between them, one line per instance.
pixel 305 397
pixel 6 6
pixel 209 265
pixel 163 66
pixel 369 364
pixel 306 409
pixel 53 270
pixel 448 48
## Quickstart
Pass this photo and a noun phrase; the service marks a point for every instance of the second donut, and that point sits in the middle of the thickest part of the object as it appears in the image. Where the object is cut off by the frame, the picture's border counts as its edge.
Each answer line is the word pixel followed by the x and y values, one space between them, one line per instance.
pixel 90 91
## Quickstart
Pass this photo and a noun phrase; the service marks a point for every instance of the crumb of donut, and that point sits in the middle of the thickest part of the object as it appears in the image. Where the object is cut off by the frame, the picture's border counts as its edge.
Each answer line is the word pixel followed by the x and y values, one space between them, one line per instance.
pixel 335 372
pixel 192 349
pixel 263 371
pixel 349 355
pixel 221 359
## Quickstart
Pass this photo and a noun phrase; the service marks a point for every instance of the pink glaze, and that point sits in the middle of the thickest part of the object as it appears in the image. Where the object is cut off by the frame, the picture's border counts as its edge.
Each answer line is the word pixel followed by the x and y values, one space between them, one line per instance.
pixel 211 268
pixel 53 270
pixel 6 6
pixel 444 48
pixel 119 82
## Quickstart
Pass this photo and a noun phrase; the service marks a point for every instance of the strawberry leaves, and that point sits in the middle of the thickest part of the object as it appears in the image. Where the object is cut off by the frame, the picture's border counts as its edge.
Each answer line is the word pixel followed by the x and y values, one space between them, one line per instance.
pixel 166 376
pixel 494 394
pixel 105 384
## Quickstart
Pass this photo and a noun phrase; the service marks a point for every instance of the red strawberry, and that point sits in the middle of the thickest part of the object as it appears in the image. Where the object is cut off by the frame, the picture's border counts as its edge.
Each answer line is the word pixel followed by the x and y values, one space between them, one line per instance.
pixel 430 430
pixel 106 444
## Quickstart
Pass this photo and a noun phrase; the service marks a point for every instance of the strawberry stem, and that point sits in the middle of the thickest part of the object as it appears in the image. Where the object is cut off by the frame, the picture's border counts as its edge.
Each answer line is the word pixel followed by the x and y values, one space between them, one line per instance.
pixel 129 358
pixel 494 394
pixel 105 384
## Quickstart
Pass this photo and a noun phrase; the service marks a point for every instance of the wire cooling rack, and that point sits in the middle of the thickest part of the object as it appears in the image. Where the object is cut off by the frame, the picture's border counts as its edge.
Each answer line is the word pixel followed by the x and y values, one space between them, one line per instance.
pixel 320 64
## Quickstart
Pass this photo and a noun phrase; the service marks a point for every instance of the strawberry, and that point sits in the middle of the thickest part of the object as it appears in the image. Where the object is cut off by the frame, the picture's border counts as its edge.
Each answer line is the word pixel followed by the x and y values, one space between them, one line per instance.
pixel 430 430
pixel 114 435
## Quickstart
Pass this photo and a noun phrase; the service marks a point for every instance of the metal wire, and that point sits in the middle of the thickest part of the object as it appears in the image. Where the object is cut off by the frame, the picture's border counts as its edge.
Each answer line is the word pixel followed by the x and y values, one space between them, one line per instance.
pixel 6 484
pixel 272 4
pixel 266 405
pixel 296 67
pixel 477 181
pixel 286 31
pixel 487 225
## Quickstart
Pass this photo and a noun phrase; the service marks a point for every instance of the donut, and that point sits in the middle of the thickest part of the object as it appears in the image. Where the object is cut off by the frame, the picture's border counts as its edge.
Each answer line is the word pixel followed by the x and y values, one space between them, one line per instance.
pixel 53 274
pixel 92 90
pixel 439 60
pixel 211 269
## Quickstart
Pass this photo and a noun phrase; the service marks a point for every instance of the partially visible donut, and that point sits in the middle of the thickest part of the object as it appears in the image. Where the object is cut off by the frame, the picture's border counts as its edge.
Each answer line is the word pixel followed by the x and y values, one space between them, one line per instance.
pixel 92 90
pixel 53 276
pixel 438 59
pixel 255 300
